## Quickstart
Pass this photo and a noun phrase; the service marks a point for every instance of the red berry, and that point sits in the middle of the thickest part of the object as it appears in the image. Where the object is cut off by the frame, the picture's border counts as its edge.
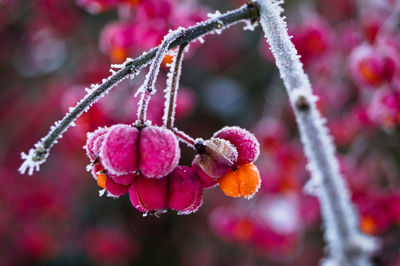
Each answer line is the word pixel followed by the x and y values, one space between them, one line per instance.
pixel 371 66
pixel 185 190
pixel 123 179
pixel 116 189
pixel 149 194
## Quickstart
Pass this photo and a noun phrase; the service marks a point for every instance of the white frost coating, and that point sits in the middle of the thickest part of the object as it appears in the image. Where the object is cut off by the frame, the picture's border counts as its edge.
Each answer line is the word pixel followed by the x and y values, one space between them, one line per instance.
pixel 340 218
pixel 128 60
pixel 28 159
pixel 249 25
pixel 148 87
pixel 29 162
pixel 102 192
pixel 214 15
pixel 109 195
pixel 89 167
pixel 168 90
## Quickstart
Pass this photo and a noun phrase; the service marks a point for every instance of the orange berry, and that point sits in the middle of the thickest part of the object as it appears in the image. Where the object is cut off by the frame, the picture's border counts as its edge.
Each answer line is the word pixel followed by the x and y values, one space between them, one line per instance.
pixel 368 225
pixel 167 59
pixel 101 180
pixel 118 54
pixel 133 3
pixel 242 182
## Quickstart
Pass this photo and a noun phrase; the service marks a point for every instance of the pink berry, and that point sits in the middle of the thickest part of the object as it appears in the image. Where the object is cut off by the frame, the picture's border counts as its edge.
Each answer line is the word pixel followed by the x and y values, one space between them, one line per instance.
pixel 123 179
pixel 93 144
pixel 245 142
pixel 159 151
pixel 184 190
pixel 115 189
pixel 149 194
pixel 371 66
pixel 119 153
pixel 207 180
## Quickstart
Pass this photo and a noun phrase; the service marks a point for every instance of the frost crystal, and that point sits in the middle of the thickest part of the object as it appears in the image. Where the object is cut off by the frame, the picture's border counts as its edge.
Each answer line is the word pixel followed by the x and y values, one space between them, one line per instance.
pixel 249 25
pixel 102 192
pixel 214 15
pixel 32 161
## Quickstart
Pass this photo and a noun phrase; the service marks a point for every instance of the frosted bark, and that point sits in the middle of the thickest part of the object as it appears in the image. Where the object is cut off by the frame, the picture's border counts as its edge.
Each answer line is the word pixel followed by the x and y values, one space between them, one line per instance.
pixel 171 91
pixel 346 244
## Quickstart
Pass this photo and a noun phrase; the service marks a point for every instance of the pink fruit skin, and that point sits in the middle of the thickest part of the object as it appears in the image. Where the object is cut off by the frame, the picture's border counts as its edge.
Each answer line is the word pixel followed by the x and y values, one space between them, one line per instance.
pixel 206 180
pixel 159 151
pixel 92 148
pixel 115 189
pixel 245 142
pixel 184 190
pixel 149 194
pixel 123 179
pixel 119 152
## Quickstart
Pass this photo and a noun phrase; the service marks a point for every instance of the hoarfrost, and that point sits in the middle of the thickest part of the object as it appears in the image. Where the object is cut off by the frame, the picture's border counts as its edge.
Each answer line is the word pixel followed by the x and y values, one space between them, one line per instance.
pixel 102 192
pixel 249 25
pixel 214 15
pixel 31 160
pixel 38 155
pixel 148 87
pixel 339 216
pixel 172 88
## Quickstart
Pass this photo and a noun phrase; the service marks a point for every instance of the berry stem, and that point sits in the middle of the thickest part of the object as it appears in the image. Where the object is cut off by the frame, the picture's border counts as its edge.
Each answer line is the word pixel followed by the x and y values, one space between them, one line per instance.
pixel 148 87
pixel 39 153
pixel 172 87
pixel 347 245
pixel 184 137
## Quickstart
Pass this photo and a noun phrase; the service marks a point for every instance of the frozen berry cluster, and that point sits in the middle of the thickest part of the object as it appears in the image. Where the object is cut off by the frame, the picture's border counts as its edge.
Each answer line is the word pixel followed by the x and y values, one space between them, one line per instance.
pixel 142 160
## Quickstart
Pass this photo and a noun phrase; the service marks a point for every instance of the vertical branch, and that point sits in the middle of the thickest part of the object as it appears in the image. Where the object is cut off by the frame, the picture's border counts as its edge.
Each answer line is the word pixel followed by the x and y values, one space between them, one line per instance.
pixel 171 90
pixel 347 245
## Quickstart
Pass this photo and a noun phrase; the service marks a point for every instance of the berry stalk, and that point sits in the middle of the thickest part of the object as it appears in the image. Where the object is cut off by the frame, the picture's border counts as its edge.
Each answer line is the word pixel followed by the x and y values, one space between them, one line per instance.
pixel 148 87
pixel 172 88
pixel 347 245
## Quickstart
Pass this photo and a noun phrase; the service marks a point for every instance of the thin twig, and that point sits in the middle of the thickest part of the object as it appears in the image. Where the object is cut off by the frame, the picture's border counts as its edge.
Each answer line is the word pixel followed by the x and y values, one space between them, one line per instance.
pixel 172 87
pixel 148 87
pixel 182 136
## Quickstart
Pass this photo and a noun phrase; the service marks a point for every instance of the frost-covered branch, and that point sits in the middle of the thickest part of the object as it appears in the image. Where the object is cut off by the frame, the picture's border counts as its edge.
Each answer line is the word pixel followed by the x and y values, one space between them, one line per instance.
pixel 39 153
pixel 171 90
pixel 346 244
